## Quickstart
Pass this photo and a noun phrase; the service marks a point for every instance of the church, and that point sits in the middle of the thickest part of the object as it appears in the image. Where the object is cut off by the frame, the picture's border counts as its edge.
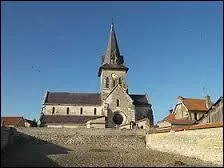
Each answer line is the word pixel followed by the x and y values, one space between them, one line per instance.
pixel 112 107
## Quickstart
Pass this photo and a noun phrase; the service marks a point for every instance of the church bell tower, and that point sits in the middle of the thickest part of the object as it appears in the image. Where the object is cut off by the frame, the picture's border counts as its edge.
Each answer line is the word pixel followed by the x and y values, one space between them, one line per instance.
pixel 112 71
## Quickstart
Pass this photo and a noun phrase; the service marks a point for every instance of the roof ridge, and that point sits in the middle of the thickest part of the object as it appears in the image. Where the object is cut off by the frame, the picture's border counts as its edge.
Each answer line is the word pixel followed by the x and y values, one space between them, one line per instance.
pixel 194 98
pixel 76 92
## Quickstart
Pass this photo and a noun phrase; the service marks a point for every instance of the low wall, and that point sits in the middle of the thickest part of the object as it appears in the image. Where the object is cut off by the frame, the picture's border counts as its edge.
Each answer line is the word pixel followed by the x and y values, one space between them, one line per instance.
pixel 6 136
pixel 204 144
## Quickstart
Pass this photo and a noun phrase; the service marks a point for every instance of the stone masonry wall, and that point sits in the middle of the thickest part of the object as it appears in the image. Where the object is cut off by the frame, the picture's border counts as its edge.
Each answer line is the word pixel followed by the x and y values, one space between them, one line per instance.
pixel 73 110
pixel 204 144
pixel 102 137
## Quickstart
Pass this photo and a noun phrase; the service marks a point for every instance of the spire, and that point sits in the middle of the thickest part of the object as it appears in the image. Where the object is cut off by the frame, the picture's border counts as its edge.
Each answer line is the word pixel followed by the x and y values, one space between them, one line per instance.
pixel 112 54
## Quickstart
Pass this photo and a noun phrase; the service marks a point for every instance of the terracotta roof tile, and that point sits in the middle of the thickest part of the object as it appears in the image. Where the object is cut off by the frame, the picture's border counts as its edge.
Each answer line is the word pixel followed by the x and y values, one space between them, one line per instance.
pixel 195 104
pixel 170 117
pixel 12 120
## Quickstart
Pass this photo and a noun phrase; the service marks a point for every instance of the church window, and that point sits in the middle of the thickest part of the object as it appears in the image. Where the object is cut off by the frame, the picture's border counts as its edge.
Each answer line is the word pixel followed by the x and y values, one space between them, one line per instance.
pixel 94 111
pixel 114 83
pixel 120 81
pixel 53 110
pixel 118 103
pixel 81 111
pixel 67 110
pixel 107 82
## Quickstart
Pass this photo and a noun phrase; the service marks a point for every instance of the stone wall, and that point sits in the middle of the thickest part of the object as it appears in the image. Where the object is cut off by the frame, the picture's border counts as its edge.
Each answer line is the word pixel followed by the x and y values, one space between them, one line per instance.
pixel 107 73
pixel 204 144
pixel 101 137
pixel 215 113
pixel 73 110
pixel 6 136
pixel 125 107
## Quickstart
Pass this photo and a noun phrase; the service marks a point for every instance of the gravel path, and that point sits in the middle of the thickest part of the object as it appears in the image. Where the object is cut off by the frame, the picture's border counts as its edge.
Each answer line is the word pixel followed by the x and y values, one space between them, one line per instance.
pixel 86 148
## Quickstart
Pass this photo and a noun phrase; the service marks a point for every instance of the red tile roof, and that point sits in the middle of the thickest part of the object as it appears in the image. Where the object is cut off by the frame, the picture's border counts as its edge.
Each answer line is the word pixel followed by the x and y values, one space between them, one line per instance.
pixel 170 117
pixel 195 104
pixel 192 127
pixel 16 121
pixel 182 122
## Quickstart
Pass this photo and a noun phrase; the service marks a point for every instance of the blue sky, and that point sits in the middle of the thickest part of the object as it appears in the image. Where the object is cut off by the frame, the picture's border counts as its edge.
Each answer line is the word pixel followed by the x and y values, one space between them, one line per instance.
pixel 171 48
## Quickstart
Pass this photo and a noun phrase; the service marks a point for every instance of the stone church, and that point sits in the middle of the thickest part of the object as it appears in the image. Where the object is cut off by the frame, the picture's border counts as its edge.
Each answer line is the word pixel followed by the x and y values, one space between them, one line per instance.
pixel 112 107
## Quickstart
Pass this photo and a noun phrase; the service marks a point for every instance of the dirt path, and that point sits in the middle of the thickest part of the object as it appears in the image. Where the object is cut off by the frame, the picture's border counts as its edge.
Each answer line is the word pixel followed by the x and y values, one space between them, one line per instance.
pixel 29 152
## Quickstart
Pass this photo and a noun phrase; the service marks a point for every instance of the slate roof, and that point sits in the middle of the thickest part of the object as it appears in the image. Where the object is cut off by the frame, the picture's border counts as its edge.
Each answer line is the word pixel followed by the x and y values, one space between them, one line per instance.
pixel 195 104
pixel 63 119
pixel 139 99
pixel 73 98
pixel 86 98
pixel 112 46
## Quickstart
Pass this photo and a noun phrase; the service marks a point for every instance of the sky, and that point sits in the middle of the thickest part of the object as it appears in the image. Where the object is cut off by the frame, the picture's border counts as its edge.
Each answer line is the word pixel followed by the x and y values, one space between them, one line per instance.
pixel 171 49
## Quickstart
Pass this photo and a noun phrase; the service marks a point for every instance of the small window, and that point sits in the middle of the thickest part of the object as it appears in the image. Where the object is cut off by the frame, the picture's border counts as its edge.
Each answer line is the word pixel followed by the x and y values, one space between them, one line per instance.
pixel 53 110
pixel 195 116
pixel 107 82
pixel 114 83
pixel 118 103
pixel 120 81
pixel 81 110
pixel 67 110
pixel 94 111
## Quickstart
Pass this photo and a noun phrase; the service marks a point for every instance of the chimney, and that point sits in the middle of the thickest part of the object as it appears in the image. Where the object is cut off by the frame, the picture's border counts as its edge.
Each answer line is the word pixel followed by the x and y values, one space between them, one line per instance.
pixel 180 99
pixel 208 101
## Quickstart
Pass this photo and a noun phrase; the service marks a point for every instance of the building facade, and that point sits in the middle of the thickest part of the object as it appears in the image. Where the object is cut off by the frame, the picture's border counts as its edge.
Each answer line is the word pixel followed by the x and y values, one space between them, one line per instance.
pixel 215 113
pixel 112 107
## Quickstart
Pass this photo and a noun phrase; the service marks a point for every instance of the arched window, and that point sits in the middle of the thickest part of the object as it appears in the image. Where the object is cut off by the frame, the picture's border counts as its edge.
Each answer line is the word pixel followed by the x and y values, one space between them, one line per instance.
pixel 107 82
pixel 94 111
pixel 120 81
pixel 114 83
pixel 118 103
pixel 81 111
pixel 53 110
pixel 67 110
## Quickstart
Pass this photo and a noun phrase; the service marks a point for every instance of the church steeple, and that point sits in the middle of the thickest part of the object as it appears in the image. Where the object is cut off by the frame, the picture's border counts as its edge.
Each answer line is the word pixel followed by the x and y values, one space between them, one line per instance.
pixel 112 58
pixel 112 71
pixel 112 52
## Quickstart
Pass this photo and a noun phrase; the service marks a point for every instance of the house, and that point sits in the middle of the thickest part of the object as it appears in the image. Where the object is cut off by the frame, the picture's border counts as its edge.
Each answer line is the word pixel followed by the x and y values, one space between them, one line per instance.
pixel 113 102
pixel 143 123
pixel 187 111
pixel 214 113
pixel 170 121
pixel 191 108
pixel 29 123
pixel 12 121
